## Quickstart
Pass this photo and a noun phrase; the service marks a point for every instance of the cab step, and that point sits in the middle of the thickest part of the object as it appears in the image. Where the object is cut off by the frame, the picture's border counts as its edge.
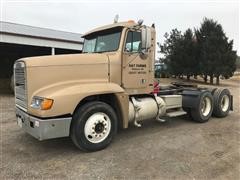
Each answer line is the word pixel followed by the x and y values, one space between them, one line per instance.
pixel 176 113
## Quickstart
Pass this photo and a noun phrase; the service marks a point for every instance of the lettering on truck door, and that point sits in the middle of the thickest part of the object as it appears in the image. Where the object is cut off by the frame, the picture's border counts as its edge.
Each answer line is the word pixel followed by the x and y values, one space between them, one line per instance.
pixel 135 69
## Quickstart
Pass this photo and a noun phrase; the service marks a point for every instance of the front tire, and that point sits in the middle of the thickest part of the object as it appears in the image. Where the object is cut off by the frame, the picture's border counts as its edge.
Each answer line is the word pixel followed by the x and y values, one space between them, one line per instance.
pixel 93 126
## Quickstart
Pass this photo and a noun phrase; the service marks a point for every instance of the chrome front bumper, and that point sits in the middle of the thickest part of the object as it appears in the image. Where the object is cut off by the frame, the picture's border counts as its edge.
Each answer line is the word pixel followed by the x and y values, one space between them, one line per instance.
pixel 43 128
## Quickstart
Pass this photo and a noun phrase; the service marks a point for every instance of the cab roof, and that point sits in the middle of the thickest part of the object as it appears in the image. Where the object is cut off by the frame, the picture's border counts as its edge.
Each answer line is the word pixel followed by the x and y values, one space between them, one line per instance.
pixel 119 24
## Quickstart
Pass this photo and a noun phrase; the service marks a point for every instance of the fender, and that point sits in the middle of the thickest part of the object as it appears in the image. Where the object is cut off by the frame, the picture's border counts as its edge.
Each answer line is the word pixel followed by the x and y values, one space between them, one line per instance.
pixel 67 96
pixel 190 98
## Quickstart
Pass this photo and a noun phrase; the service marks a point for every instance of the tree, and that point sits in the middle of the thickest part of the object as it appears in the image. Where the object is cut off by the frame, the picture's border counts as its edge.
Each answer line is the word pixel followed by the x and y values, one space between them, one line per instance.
pixel 171 49
pixel 238 63
pixel 216 57
pixel 189 62
pixel 180 53
pixel 207 53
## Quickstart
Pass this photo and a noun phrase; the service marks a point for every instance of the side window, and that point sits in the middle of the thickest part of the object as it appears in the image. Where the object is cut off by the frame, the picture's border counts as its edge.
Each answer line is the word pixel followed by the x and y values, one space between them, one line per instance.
pixel 133 42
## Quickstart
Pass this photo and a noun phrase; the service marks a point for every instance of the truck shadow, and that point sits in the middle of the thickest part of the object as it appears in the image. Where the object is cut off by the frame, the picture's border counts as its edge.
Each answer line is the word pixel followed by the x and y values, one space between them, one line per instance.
pixel 65 145
pixel 152 126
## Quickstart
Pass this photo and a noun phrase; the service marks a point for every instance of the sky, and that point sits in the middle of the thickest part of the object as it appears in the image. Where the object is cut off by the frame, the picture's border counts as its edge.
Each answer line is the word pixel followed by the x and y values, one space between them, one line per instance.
pixel 82 15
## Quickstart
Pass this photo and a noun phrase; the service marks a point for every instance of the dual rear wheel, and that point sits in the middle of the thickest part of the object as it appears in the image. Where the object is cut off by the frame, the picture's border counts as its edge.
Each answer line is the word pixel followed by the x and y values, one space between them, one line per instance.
pixel 222 102
pixel 217 104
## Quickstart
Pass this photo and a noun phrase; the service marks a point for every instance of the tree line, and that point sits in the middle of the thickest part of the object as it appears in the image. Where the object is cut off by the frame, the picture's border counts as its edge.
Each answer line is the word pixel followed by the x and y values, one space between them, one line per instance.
pixel 205 52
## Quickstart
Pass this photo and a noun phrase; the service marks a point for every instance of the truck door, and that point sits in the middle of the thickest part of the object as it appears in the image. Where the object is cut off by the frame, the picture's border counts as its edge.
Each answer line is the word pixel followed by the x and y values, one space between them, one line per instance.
pixel 135 67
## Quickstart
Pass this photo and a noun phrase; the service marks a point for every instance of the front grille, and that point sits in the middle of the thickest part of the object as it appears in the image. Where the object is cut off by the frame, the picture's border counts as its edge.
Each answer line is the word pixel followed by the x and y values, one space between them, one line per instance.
pixel 20 85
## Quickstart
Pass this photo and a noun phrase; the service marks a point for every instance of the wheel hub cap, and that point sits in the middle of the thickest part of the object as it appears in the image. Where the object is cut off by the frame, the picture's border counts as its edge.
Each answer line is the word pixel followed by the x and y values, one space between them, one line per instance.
pixel 225 103
pixel 206 106
pixel 97 127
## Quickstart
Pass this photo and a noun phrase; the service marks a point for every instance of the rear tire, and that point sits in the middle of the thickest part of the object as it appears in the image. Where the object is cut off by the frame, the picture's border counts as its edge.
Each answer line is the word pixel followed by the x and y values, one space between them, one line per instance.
pixel 204 108
pixel 222 103
pixel 93 126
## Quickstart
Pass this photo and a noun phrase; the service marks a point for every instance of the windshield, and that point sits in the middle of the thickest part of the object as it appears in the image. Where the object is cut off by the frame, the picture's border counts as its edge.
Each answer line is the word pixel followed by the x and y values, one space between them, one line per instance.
pixel 104 41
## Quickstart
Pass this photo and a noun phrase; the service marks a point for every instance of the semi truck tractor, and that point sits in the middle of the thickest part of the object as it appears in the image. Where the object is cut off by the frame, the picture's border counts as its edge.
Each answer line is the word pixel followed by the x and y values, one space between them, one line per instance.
pixel 109 86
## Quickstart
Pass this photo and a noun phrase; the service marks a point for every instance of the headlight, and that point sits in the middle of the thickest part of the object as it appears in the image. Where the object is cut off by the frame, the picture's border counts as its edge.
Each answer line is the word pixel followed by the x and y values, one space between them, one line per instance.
pixel 41 103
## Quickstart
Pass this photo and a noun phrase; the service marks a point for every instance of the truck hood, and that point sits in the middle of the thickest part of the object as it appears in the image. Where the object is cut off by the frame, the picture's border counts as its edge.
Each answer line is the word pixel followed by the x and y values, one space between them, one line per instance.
pixel 47 72
pixel 66 60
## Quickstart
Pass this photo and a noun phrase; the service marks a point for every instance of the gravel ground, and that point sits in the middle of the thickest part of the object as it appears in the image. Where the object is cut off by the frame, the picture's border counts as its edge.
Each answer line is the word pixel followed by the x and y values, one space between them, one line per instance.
pixel 177 149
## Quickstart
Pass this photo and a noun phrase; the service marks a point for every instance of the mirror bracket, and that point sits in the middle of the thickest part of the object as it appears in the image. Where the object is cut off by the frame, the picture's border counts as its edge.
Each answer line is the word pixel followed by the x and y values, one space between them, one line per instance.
pixel 146 38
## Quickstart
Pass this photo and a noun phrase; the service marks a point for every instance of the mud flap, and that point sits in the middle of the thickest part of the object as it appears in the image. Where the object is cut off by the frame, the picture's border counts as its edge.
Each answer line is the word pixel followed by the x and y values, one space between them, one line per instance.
pixel 231 103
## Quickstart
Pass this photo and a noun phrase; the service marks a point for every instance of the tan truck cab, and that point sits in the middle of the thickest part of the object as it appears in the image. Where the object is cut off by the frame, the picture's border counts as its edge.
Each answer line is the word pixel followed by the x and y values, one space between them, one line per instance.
pixel 110 85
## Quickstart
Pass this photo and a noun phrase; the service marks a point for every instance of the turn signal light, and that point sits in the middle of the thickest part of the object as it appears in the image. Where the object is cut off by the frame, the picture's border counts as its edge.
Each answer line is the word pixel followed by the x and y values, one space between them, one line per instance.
pixel 46 104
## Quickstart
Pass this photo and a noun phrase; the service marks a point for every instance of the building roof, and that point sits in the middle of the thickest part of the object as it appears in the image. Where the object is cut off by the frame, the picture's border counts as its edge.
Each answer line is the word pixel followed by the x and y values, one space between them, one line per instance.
pixel 26 30
pixel 35 36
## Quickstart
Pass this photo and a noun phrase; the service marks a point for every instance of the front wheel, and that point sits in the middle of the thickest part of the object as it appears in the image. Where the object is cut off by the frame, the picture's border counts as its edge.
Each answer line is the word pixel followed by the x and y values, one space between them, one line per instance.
pixel 93 126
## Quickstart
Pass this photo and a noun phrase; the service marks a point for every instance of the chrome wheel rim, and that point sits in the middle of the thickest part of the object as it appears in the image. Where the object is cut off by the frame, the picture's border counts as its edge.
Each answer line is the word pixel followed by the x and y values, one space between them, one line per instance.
pixel 97 127
pixel 206 106
pixel 225 103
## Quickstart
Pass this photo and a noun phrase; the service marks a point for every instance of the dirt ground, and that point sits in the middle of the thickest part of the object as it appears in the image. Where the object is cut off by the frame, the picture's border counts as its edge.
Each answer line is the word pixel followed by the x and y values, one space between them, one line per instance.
pixel 177 149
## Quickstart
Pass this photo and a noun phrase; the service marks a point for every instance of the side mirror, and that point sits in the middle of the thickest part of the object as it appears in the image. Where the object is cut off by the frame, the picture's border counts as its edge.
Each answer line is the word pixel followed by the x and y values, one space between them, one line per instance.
pixel 146 39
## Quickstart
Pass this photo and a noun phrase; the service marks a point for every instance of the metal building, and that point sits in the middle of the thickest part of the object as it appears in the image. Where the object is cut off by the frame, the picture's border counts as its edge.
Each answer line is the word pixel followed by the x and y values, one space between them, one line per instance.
pixel 17 41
